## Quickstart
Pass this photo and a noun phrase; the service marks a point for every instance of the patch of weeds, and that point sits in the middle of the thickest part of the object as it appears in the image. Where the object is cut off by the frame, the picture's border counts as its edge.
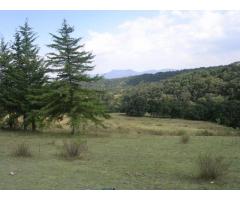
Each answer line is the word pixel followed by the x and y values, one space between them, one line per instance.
pixel 184 139
pixel 73 149
pixel 211 167
pixel 22 150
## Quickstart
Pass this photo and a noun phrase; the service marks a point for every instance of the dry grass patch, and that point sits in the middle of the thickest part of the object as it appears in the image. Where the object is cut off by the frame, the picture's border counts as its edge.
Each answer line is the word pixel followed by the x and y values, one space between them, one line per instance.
pixel 73 149
pixel 205 133
pixel 211 167
pixel 22 150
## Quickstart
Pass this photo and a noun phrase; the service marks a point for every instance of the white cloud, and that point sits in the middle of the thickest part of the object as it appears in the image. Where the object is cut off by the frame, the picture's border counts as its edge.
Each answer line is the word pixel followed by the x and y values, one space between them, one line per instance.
pixel 169 40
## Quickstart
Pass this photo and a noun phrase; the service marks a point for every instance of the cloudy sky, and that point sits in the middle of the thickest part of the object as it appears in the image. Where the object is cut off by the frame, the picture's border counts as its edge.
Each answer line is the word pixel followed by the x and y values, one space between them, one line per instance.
pixel 141 40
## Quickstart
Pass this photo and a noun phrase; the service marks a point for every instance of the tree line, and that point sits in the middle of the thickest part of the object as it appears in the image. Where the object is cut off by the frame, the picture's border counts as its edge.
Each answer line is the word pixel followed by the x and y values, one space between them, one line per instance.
pixel 211 94
pixel 36 90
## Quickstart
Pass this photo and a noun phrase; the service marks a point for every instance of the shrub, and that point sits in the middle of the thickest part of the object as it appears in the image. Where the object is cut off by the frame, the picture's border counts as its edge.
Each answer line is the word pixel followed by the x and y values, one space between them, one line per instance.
pixel 181 132
pixel 211 167
pixel 22 150
pixel 73 149
pixel 184 139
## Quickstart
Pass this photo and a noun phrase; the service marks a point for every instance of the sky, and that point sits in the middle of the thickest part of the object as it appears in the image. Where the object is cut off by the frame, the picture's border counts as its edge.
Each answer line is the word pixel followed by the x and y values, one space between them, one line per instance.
pixel 140 40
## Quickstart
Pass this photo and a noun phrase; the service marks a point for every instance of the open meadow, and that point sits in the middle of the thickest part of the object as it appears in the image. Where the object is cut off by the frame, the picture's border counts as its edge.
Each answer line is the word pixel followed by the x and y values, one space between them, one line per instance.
pixel 143 112
pixel 129 153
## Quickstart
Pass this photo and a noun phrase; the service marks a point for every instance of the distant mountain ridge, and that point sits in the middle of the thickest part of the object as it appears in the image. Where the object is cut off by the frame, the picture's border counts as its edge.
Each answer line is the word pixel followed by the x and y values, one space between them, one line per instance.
pixel 120 84
pixel 119 74
pixel 128 72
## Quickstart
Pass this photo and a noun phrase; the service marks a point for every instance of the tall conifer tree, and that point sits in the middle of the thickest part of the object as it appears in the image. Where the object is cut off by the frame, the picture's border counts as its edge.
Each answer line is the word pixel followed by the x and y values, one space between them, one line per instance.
pixel 30 74
pixel 8 86
pixel 68 97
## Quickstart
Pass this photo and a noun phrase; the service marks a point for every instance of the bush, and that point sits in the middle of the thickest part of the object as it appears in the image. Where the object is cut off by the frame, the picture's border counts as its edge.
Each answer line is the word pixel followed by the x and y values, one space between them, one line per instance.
pixel 181 132
pixel 211 167
pixel 184 139
pixel 73 149
pixel 22 150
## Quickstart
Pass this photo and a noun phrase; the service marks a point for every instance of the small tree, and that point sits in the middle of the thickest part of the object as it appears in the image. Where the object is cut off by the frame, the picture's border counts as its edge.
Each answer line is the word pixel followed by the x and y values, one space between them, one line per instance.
pixel 67 95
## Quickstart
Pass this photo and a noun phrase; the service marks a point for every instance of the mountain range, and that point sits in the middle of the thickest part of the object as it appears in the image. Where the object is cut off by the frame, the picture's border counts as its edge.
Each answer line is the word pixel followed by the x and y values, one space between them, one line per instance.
pixel 128 72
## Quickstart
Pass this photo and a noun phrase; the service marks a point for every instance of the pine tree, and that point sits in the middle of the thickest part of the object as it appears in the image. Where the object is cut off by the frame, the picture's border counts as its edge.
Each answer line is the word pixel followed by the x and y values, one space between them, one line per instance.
pixel 8 103
pixel 30 75
pixel 5 62
pixel 68 97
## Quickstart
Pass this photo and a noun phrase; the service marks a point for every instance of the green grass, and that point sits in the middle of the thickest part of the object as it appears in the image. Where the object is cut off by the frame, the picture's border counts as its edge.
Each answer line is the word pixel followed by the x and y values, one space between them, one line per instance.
pixel 128 154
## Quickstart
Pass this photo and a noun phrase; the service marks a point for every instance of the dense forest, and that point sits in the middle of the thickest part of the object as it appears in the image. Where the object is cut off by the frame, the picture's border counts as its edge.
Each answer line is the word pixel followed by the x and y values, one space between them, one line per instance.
pixel 211 94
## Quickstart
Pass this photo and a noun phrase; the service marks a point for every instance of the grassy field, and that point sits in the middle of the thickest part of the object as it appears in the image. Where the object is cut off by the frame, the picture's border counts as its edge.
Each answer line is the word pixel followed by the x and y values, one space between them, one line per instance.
pixel 129 153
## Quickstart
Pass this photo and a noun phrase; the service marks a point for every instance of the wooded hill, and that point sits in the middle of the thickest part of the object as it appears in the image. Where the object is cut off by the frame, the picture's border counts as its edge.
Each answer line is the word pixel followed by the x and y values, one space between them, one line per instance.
pixel 126 82
pixel 211 93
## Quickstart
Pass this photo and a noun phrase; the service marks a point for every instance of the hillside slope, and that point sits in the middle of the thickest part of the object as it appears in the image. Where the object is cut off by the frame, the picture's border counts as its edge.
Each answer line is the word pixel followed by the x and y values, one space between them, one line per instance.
pixel 126 82
pixel 211 94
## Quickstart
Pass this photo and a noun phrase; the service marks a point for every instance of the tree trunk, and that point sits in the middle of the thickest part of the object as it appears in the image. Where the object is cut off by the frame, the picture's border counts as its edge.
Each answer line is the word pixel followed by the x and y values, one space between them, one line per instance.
pixel 11 121
pixel 10 125
pixel 71 103
pixel 33 125
pixel 24 122
pixel 73 130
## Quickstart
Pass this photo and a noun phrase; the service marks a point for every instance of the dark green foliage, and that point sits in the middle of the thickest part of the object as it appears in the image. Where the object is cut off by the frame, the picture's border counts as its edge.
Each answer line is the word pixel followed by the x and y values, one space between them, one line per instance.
pixel 146 78
pixel 112 102
pixel 10 95
pixel 22 77
pixel 230 113
pixel 134 104
pixel 29 95
pixel 30 75
pixel 210 94
pixel 67 94
pixel 6 105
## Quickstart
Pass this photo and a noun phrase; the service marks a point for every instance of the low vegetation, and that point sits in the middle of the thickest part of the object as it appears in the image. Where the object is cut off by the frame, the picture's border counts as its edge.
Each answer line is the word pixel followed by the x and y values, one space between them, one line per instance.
pixel 73 149
pixel 184 139
pixel 212 167
pixel 22 150
pixel 125 155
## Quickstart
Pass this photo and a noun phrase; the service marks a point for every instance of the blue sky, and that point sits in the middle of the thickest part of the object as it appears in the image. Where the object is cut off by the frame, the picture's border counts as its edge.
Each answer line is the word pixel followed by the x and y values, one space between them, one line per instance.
pixel 140 40
pixel 45 22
